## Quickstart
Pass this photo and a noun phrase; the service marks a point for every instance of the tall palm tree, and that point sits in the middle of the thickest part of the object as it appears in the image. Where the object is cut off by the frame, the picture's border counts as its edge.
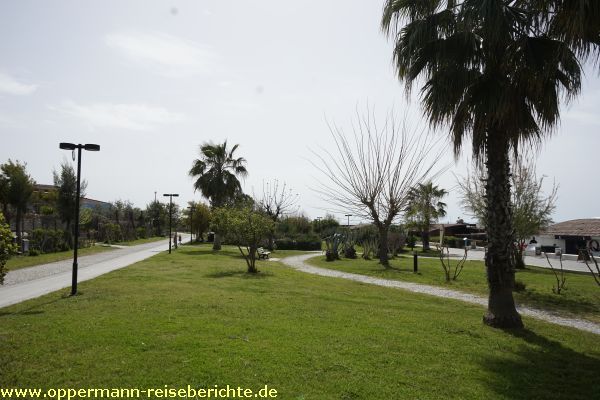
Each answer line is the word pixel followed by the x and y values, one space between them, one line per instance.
pixel 425 207
pixel 217 171
pixel 493 71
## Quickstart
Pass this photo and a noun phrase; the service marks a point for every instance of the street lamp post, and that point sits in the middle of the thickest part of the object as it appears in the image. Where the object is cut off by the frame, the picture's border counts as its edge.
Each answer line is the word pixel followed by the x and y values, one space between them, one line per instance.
pixel 72 147
pixel 348 215
pixel 170 196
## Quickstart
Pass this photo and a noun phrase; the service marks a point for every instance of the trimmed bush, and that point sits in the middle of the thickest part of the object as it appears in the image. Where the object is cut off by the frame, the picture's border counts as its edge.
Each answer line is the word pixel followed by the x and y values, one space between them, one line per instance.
pixel 306 243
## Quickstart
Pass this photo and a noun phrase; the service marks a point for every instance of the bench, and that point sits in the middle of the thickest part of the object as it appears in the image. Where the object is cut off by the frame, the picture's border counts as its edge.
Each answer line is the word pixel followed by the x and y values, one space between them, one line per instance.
pixel 262 253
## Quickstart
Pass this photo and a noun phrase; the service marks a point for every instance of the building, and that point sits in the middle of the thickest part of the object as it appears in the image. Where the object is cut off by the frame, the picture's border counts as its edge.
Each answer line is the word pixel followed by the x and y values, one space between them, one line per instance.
pixel 40 209
pixel 571 235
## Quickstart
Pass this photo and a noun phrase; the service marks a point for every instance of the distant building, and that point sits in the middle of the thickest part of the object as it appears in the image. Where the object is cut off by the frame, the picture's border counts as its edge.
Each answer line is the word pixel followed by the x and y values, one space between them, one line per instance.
pixel 94 204
pixel 571 235
pixel 33 217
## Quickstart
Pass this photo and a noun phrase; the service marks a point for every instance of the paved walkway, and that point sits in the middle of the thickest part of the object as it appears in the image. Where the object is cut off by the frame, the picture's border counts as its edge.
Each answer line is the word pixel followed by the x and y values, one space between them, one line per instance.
pixel 28 283
pixel 538 261
pixel 298 262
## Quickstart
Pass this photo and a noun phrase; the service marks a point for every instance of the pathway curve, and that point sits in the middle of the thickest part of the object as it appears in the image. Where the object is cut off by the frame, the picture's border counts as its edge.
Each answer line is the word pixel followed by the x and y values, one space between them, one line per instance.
pixel 28 283
pixel 298 262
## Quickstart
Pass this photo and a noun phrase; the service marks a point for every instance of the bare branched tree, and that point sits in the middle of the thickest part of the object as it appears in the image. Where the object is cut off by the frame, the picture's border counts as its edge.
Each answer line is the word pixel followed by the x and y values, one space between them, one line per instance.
pixel 276 201
pixel 532 208
pixel 370 173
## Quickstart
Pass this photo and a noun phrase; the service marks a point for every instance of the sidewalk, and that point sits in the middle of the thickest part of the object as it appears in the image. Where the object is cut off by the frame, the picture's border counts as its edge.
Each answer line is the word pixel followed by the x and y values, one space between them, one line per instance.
pixel 537 261
pixel 28 283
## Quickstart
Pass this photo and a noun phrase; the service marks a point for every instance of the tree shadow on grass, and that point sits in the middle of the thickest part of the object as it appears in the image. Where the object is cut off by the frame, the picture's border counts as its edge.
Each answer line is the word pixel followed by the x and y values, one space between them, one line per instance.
pixel 576 306
pixel 240 274
pixel 543 369
pixel 210 253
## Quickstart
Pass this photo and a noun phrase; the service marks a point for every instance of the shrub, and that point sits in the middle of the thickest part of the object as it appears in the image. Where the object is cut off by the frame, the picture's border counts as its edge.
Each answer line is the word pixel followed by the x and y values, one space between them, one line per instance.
pixel 350 252
pixel 140 232
pixel 411 241
pixel 519 286
pixel 7 247
pixel 285 244
pixel 306 243
pixel 111 233
pixel 34 252
pixel 48 240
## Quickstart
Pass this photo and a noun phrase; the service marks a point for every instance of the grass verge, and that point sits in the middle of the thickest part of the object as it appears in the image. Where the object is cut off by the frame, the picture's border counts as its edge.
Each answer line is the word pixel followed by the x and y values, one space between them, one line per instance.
pixel 142 241
pixel 580 298
pixel 196 318
pixel 19 262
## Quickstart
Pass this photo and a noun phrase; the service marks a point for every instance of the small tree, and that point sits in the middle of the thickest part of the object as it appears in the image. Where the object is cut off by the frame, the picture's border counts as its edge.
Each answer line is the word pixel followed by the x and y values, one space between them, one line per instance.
pixel 451 272
pixel 7 248
pixel 244 227
pixel 371 172
pixel 17 191
pixel 325 226
pixel 157 214
pixel 559 276
pixel 199 215
pixel 531 208
pixel 66 181
pixel 587 256
pixel 277 200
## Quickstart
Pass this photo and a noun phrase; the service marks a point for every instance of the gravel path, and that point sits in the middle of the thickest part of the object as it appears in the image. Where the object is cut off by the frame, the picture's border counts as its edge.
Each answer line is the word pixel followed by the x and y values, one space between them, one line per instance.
pixel 298 262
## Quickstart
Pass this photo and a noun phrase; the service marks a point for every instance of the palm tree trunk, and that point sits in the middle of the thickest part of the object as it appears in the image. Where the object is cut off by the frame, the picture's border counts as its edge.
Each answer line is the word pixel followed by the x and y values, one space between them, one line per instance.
pixel 499 259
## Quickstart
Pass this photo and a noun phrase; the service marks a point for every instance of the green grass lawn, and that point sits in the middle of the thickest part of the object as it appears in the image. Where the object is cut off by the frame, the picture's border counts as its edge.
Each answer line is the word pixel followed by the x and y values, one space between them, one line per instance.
pixel 581 298
pixel 142 241
pixel 18 262
pixel 196 317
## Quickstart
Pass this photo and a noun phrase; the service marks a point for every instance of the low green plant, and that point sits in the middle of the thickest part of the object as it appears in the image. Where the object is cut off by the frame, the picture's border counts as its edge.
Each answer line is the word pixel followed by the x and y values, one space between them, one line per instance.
pixel 520 286
pixel 7 246
pixel 49 240
pixel 140 232
pixel 333 243
pixel 34 252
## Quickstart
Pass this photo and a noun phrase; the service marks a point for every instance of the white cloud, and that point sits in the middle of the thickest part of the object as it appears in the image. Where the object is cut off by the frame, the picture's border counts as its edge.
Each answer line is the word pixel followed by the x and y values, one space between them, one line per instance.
pixel 164 54
pixel 138 117
pixel 10 85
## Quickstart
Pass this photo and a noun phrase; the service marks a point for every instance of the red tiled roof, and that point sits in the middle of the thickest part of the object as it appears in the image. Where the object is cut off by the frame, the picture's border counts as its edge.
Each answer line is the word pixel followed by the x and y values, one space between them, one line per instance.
pixel 575 227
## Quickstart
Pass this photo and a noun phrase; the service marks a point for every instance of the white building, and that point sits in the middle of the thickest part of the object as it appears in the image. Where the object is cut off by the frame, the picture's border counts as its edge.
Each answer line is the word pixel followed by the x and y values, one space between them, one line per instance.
pixel 572 235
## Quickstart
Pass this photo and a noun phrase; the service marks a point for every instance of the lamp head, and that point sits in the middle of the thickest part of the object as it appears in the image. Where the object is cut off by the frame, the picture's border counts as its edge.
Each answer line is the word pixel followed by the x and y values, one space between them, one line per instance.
pixel 91 147
pixel 67 146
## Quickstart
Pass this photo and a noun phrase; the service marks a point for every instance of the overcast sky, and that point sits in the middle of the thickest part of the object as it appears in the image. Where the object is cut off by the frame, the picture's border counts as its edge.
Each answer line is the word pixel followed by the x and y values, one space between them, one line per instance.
pixel 151 81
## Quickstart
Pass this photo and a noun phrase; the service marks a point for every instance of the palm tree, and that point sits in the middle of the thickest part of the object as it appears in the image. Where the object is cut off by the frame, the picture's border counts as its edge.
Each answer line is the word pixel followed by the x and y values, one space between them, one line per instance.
pixel 425 207
pixel 217 171
pixel 493 71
